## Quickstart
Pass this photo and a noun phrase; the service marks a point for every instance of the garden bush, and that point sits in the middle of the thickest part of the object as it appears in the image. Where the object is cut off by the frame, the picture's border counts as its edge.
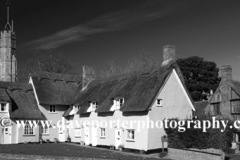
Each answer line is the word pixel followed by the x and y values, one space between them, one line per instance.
pixel 196 138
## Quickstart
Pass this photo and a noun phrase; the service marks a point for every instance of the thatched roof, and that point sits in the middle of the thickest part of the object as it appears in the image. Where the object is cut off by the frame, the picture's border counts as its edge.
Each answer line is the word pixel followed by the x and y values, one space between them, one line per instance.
pixel 138 89
pixel 22 100
pixel 54 88
pixel 3 95
pixel 200 106
pixel 66 113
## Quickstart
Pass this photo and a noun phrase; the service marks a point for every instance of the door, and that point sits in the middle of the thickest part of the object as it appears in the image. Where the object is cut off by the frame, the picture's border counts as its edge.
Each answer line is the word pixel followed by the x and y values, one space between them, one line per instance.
pixel 118 137
pixel 61 134
pixel 86 135
pixel 7 135
pixel 94 135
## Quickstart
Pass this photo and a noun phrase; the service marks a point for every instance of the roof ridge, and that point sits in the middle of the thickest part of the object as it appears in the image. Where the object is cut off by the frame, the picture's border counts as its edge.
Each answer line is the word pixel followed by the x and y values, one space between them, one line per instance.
pixel 56 76
pixel 128 75
pixel 12 86
pixel 46 72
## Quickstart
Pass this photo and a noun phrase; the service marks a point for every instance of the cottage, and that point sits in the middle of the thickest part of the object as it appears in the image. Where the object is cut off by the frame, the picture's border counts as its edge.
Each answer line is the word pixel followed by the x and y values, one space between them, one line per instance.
pixel 145 96
pixel 54 95
pixel 18 103
pixel 225 102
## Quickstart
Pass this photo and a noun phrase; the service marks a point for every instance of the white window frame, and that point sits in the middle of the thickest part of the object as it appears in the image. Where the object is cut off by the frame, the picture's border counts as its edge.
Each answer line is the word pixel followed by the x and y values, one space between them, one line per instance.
pixel 159 102
pixel 102 132
pixel 51 108
pixel 28 130
pixel 5 106
pixel 94 106
pixel 128 132
pixel 119 102
pixel 76 109
pixel 45 130
pixel 77 132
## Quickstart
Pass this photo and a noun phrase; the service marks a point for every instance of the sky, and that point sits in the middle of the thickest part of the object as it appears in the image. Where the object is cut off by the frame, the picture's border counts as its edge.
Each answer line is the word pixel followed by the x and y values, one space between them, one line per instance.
pixel 91 32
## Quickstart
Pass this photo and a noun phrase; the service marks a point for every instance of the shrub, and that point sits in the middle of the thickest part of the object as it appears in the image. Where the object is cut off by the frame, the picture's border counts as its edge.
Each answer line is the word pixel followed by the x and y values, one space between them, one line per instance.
pixel 196 138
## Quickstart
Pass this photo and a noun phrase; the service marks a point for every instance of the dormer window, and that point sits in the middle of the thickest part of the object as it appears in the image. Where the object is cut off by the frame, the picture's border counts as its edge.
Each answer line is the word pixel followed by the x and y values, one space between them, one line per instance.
pixel 76 108
pixel 119 103
pixel 159 102
pixel 94 106
pixel 3 107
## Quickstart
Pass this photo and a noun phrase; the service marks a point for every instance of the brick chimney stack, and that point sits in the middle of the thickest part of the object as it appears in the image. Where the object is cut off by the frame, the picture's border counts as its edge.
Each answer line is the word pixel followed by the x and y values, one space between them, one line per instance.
pixel 168 54
pixel 226 72
pixel 88 75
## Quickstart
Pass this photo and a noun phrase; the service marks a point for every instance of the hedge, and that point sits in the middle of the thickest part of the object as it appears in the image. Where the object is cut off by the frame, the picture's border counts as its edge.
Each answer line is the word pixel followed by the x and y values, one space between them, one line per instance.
pixel 196 138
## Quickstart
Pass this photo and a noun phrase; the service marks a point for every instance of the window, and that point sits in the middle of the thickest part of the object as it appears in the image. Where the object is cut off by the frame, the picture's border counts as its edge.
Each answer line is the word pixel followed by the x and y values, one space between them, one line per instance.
pixel 119 103
pixel 3 107
pixel 216 108
pixel 130 134
pixel 45 129
pixel 235 106
pixel 102 132
pixel 159 102
pixel 236 117
pixel 77 132
pixel 28 130
pixel 94 106
pixel 52 109
pixel 77 108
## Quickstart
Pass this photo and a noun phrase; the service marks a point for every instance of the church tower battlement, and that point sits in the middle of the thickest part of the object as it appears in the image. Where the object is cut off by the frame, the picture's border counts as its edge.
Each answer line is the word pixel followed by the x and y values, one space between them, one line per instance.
pixel 8 61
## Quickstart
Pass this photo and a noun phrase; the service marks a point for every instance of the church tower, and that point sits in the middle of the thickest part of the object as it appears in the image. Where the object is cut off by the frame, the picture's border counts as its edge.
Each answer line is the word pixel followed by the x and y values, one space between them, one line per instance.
pixel 8 61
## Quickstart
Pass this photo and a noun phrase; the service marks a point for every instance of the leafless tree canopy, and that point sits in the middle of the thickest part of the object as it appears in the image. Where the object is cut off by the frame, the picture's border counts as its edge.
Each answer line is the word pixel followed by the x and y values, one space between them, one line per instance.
pixel 137 62
pixel 49 61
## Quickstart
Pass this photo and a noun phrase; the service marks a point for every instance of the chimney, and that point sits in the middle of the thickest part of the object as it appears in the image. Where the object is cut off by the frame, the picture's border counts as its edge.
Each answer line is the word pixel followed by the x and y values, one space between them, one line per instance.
pixel 226 73
pixel 88 75
pixel 168 54
pixel 211 92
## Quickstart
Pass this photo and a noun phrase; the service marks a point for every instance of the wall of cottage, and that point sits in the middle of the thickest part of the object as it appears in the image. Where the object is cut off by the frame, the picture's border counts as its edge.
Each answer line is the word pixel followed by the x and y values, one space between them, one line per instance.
pixel 223 96
pixel 2 115
pixel 17 134
pixel 53 118
pixel 27 138
pixel 175 104
pixel 74 119
pixel 5 114
pixel 139 142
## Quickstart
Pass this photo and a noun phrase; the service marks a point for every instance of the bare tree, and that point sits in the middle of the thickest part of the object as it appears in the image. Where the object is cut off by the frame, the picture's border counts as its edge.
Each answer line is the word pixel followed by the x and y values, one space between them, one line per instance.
pixel 110 68
pixel 49 61
pixel 141 61
pixel 137 62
